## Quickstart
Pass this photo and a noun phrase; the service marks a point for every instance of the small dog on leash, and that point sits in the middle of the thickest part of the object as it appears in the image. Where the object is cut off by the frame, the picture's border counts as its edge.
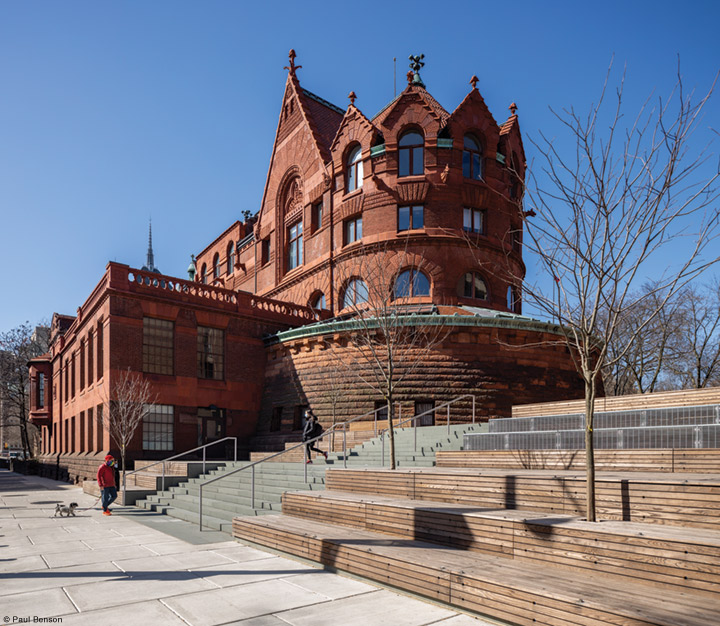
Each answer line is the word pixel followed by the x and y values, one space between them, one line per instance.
pixel 65 511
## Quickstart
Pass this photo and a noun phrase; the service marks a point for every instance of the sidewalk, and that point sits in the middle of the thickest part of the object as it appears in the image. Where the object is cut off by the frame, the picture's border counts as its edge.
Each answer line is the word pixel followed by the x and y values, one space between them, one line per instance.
pixel 141 568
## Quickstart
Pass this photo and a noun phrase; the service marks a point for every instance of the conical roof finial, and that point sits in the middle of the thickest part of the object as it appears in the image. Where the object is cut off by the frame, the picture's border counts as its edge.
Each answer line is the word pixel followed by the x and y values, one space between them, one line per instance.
pixel 292 68
pixel 352 97
pixel 474 81
pixel 513 107
pixel 150 262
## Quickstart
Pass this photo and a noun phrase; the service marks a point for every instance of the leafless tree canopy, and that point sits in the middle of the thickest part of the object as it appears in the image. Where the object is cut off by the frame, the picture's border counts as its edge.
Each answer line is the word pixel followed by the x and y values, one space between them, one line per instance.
pixel 389 337
pixel 17 347
pixel 632 202
pixel 128 399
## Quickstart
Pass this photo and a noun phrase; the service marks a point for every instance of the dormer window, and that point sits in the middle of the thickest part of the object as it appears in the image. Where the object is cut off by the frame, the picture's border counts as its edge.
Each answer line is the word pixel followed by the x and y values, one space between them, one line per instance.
pixel 354 169
pixel 472 158
pixel 410 154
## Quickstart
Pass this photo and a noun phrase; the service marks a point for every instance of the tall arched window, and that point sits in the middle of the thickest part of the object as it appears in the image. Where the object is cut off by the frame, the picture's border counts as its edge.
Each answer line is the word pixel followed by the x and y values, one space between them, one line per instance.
pixel 354 169
pixel 216 265
pixel 410 284
pixel 230 257
pixel 203 274
pixel 410 154
pixel 472 158
pixel 472 285
pixel 356 292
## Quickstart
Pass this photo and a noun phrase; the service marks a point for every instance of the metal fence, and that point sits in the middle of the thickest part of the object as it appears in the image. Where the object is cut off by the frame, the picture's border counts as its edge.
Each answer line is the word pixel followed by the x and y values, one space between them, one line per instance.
pixel 705 435
pixel 674 416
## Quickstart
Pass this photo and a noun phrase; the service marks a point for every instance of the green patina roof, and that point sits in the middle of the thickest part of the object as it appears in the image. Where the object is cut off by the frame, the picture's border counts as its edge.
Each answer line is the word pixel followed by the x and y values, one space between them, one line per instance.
pixel 482 318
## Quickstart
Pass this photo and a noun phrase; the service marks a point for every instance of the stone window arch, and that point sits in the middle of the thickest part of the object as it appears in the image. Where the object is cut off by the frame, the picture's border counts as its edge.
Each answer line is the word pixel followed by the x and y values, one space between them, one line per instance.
pixel 216 265
pixel 354 173
pixel 317 300
pixel 472 157
pixel 411 148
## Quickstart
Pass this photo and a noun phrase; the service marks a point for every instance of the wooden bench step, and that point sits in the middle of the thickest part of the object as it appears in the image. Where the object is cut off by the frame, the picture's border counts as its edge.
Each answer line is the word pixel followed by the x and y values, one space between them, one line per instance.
pixel 677 499
pixel 670 557
pixel 519 592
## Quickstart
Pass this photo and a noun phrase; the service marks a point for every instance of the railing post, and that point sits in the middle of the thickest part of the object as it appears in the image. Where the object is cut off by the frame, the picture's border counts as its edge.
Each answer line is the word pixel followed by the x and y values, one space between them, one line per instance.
pixel 448 418
pixel 163 476
pixel 415 433
pixel 382 448
pixel 124 490
pixel 252 488
pixel 345 444
pixel 204 449
pixel 235 459
pixel 306 456
pixel 375 420
pixel 201 524
pixel 473 408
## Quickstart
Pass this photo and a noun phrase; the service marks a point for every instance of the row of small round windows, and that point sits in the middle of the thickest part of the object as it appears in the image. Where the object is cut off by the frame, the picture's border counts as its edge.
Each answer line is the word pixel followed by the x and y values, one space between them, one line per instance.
pixel 413 283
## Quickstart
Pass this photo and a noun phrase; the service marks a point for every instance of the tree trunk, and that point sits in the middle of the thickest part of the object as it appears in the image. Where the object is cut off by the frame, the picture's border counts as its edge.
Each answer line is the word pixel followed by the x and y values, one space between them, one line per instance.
pixel 391 432
pixel 590 449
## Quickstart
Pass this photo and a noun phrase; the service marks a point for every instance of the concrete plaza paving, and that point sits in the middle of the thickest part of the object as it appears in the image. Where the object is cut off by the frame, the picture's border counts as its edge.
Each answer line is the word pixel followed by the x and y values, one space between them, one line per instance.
pixel 138 567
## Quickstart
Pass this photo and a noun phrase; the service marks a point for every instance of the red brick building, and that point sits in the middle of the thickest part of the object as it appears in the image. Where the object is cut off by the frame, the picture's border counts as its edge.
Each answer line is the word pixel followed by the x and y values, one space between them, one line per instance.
pixel 432 194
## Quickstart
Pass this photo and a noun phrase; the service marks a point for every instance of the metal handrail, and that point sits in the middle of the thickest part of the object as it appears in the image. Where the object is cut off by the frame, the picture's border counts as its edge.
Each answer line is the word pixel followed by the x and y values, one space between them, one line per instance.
pixel 414 420
pixel 333 428
pixel 176 456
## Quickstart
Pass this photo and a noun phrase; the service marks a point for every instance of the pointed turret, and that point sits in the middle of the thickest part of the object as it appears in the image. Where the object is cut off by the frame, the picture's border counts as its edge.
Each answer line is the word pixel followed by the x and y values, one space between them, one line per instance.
pixel 150 262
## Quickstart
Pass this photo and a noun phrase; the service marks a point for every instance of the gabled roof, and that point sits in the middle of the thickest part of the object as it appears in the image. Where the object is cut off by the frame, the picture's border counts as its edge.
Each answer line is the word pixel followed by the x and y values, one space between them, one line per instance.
pixel 352 113
pixel 425 96
pixel 474 98
pixel 511 122
pixel 322 117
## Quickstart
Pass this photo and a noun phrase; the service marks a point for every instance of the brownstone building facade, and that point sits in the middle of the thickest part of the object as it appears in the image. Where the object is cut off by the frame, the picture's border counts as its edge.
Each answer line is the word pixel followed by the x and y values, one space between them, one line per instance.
pixel 432 194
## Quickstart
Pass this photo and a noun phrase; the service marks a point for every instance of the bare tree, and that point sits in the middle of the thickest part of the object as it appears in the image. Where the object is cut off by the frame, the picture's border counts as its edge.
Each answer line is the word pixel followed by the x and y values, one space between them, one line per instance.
pixel 18 346
pixel 388 336
pixel 610 215
pixel 697 363
pixel 129 399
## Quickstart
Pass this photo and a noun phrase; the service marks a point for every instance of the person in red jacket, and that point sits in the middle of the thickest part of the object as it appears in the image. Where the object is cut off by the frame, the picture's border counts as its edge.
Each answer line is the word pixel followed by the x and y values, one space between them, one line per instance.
pixel 106 480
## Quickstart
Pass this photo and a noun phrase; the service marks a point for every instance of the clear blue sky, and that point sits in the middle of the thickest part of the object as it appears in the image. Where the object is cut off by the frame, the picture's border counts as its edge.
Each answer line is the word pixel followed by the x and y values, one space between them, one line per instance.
pixel 112 113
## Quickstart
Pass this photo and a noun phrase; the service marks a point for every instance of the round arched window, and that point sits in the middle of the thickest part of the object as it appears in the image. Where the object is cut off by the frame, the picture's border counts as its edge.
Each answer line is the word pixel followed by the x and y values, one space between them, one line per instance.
pixel 472 158
pixel 203 274
pixel 410 154
pixel 410 284
pixel 230 257
pixel 216 265
pixel 356 292
pixel 318 301
pixel 354 169
pixel 472 285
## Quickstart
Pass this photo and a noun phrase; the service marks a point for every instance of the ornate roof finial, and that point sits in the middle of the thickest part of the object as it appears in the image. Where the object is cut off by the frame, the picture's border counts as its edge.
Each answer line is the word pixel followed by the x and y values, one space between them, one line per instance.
pixel 474 81
pixel 415 65
pixel 292 68
pixel 352 97
pixel 513 107
pixel 150 263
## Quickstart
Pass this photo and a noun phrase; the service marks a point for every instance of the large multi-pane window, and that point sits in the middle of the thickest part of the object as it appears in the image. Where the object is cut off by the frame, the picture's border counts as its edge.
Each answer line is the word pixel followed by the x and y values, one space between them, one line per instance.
pixel 474 221
pixel 295 245
pixel 472 158
pixel 41 391
pixel 410 217
pixel 410 154
pixel 210 353
pixel 100 352
pixel 410 284
pixel 158 346
pixel 354 169
pixel 158 427
pixel 472 285
pixel 353 230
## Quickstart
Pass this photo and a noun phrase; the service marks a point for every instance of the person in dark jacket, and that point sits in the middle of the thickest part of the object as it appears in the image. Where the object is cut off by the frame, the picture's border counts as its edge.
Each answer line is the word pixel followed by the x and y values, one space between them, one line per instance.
pixel 106 481
pixel 312 429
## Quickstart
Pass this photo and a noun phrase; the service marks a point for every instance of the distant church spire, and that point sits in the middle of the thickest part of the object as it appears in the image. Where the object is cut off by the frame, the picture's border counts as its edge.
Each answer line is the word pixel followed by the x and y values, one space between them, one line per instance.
pixel 150 263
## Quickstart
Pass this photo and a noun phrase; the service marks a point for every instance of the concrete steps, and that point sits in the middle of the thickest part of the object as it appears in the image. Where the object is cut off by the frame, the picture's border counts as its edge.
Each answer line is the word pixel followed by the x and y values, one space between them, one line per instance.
pixel 231 497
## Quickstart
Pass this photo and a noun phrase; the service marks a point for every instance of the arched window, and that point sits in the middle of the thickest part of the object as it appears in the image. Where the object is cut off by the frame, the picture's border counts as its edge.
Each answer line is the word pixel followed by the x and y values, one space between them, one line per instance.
pixel 472 158
pixel 411 284
pixel 318 301
pixel 472 285
pixel 356 292
pixel 410 154
pixel 231 257
pixel 216 265
pixel 354 169
pixel 513 302
pixel 203 274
